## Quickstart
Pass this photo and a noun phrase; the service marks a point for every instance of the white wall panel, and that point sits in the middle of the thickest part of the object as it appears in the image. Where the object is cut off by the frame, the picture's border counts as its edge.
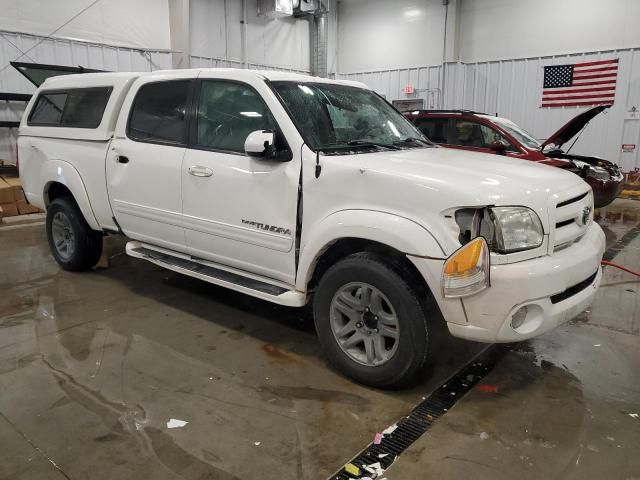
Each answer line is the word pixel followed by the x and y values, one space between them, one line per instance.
pixel 216 33
pixel 512 89
pixel 139 23
pixel 377 34
pixel 502 29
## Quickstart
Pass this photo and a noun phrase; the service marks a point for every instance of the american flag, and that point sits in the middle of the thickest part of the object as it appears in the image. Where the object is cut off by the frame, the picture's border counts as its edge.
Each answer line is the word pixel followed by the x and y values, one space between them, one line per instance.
pixel 588 83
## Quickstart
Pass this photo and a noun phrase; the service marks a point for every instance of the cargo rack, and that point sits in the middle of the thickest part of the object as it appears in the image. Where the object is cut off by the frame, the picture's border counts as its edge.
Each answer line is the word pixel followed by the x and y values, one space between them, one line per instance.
pixel 445 111
pixel 13 97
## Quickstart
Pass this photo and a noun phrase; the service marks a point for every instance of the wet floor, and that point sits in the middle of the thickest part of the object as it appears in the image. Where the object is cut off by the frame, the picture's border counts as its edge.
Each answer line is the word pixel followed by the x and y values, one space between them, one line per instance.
pixel 93 366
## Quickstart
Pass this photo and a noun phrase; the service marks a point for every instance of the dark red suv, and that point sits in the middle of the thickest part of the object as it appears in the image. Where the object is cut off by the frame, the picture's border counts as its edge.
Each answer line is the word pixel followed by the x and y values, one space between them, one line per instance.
pixel 488 134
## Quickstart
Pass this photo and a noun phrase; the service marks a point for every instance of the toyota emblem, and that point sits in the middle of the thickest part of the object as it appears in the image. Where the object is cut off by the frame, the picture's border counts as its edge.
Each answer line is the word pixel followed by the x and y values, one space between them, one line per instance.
pixel 584 219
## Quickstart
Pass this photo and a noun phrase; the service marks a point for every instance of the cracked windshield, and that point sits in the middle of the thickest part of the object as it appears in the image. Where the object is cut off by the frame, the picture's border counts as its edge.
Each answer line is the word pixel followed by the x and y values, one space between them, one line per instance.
pixel 339 119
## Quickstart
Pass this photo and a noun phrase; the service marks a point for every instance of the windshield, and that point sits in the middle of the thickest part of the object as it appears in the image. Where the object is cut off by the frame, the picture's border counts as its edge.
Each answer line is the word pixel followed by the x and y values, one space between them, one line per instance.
pixel 518 133
pixel 343 119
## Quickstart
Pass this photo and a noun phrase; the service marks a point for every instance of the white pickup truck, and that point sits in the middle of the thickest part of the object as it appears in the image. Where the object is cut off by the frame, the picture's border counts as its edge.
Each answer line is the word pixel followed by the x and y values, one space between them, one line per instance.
pixel 296 189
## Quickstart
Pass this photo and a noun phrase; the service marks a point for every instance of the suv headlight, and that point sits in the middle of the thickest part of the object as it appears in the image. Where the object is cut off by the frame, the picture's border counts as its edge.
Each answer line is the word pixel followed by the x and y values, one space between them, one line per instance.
pixel 516 228
pixel 506 229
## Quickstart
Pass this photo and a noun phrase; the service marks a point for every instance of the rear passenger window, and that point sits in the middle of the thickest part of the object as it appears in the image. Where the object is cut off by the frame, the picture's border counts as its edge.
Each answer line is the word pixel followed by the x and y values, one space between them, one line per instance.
pixel 73 108
pixel 85 108
pixel 48 109
pixel 435 129
pixel 158 112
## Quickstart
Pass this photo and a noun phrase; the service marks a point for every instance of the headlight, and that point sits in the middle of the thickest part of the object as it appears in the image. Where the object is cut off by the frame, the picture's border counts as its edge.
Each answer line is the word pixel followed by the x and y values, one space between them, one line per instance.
pixel 506 229
pixel 516 228
pixel 598 173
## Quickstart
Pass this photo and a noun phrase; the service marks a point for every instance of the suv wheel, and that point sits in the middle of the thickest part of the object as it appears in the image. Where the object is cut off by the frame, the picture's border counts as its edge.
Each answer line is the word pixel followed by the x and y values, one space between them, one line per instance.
pixel 72 242
pixel 371 323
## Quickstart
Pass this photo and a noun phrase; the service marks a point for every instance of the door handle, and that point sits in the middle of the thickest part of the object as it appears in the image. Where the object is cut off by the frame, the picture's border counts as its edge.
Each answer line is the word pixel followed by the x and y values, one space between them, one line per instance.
pixel 199 171
pixel 122 159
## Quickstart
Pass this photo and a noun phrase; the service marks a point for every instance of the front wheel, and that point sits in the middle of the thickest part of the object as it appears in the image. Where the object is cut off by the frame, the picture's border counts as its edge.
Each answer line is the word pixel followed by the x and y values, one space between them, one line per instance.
pixel 372 323
pixel 74 245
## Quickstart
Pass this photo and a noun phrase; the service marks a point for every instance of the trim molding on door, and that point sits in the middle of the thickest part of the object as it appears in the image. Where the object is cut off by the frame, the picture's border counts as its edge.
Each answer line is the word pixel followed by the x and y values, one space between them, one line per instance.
pixel 253 236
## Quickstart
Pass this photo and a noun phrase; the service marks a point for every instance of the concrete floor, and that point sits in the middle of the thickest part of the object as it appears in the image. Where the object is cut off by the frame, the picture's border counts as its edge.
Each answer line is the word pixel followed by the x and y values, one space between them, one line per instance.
pixel 94 365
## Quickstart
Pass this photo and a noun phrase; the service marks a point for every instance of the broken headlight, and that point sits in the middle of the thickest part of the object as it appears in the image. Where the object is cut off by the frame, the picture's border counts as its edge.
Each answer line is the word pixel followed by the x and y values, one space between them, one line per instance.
pixel 506 229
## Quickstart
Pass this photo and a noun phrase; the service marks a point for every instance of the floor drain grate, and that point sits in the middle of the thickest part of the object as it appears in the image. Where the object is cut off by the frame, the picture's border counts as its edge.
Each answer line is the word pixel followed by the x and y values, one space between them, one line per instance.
pixel 407 430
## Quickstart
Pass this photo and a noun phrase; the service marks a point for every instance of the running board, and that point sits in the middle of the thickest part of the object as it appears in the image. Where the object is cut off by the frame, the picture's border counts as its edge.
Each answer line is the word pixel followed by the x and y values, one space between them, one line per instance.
pixel 217 276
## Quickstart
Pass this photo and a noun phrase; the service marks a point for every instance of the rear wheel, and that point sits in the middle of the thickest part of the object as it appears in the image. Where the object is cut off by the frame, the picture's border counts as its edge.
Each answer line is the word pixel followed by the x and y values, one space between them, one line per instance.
pixel 74 245
pixel 372 323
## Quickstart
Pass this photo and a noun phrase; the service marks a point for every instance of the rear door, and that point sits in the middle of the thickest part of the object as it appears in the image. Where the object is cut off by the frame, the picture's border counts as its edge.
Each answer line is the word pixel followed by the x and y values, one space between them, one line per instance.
pixel 145 161
pixel 239 211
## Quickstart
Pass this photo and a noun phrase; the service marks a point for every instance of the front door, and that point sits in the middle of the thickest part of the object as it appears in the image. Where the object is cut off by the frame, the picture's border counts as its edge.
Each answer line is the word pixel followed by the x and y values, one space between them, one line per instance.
pixel 144 163
pixel 478 137
pixel 238 211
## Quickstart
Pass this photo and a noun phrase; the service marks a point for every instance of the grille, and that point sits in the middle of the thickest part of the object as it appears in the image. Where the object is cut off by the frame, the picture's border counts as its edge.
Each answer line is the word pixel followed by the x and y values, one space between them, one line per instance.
pixel 572 200
pixel 571 291
pixel 569 226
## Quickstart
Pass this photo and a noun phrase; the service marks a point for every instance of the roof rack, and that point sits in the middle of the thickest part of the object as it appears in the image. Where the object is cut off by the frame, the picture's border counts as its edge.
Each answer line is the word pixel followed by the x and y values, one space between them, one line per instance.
pixel 446 111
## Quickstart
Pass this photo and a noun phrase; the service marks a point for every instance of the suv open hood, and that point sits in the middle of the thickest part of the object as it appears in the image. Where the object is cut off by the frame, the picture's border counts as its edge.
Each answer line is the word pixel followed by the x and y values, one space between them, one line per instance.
pixel 573 127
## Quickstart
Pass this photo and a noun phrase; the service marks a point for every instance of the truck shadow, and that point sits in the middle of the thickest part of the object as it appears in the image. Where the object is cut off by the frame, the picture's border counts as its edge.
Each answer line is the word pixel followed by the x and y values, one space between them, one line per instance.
pixel 279 329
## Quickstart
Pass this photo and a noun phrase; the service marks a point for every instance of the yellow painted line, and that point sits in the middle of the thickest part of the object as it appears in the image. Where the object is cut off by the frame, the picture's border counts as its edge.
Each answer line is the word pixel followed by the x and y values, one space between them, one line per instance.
pixel 630 193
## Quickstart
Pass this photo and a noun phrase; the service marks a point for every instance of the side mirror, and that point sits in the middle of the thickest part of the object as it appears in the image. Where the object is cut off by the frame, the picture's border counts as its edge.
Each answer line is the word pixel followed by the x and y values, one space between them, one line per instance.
pixel 260 143
pixel 497 146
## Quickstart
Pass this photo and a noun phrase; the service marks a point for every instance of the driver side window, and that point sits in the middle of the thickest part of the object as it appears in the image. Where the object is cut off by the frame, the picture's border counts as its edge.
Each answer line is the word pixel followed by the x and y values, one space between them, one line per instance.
pixel 227 113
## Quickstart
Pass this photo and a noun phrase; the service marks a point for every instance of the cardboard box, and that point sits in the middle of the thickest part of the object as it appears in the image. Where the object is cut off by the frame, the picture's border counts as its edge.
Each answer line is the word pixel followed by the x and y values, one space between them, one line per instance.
pixel 7 192
pixel 9 209
pixel 24 208
pixel 12 180
pixel 19 194
pixel 14 183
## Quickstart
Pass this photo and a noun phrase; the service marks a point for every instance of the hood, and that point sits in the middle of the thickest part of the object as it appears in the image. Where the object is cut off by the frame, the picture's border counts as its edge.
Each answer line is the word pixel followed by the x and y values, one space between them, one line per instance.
pixel 573 127
pixel 424 182
pixel 476 177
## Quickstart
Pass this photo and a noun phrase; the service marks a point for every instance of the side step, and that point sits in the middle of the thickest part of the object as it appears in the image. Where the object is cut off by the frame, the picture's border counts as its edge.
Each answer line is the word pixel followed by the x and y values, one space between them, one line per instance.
pixel 218 276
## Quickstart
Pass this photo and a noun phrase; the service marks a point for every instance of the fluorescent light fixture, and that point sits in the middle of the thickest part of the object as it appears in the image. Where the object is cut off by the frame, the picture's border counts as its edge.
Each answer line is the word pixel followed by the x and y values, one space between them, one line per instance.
pixel 411 13
pixel 251 114
pixel 306 89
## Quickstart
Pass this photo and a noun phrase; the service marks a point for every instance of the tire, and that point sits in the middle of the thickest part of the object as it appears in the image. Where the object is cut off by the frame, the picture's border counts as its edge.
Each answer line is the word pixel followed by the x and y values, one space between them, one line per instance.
pixel 402 358
pixel 74 245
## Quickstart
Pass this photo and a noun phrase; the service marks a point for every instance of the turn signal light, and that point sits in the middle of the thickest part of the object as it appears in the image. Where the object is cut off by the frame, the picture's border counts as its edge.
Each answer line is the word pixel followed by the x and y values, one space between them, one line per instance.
pixel 467 271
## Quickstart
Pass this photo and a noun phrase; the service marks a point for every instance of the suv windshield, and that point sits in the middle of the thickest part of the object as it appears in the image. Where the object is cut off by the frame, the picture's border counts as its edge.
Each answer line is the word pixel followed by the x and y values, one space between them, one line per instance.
pixel 342 119
pixel 518 133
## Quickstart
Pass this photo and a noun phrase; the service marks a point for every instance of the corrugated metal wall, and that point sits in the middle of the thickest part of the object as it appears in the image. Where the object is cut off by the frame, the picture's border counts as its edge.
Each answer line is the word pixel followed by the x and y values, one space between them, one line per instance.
pixel 426 81
pixel 512 89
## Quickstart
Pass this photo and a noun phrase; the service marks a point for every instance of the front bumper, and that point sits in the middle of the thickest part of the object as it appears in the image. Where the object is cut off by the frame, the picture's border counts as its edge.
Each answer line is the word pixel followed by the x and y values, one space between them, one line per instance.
pixel 553 288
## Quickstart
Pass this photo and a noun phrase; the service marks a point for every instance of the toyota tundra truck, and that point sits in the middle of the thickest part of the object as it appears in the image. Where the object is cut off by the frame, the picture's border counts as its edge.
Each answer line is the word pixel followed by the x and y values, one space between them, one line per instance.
pixel 300 190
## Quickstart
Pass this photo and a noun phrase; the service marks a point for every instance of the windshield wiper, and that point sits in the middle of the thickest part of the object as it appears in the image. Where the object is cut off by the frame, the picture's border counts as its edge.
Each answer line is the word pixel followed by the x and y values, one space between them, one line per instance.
pixel 365 143
pixel 413 140
pixel 357 144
